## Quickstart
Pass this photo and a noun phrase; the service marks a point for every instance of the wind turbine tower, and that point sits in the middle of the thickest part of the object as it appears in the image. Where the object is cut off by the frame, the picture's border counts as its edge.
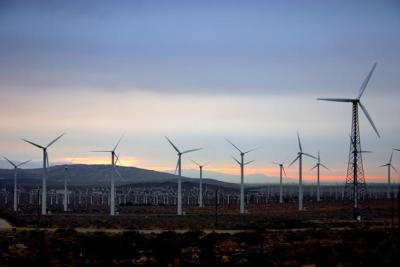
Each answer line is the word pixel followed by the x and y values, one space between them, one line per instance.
pixel 45 166
pixel 16 167
pixel 389 165
pixel 179 168
pixel 114 157
pixel 66 175
pixel 300 158
pixel 318 165
pixel 241 164
pixel 281 171
pixel 355 180
pixel 200 183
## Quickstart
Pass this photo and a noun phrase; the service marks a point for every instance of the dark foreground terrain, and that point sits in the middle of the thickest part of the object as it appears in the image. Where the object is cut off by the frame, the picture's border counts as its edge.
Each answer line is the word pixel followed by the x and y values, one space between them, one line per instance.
pixel 273 215
pixel 359 245
pixel 324 235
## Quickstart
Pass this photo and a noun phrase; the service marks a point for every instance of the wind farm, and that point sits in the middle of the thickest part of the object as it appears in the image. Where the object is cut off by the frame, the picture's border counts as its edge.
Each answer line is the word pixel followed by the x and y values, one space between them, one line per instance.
pixel 230 141
pixel 147 201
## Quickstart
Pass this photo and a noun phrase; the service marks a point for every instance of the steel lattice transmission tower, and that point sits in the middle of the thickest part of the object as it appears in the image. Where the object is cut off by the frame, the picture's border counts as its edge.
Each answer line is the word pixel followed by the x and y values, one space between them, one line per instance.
pixel 355 187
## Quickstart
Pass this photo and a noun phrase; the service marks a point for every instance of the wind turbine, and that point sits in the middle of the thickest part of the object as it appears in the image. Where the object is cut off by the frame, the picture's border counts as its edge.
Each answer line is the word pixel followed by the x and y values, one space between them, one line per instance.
pixel 355 170
pixel 114 158
pixel 389 165
pixel 45 165
pixel 179 168
pixel 66 175
pixel 16 167
pixel 300 158
pixel 281 171
pixel 318 171
pixel 241 164
pixel 201 182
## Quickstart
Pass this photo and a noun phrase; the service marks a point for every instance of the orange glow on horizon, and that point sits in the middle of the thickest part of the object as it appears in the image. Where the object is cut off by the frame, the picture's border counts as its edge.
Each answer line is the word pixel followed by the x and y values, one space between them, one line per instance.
pixel 229 169
pixel 124 161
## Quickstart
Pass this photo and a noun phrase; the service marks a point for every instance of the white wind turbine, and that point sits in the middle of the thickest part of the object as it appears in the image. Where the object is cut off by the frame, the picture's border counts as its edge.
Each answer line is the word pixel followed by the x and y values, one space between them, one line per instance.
pixel 389 165
pixel 16 167
pixel 241 164
pixel 45 165
pixel 114 159
pixel 281 172
pixel 300 158
pixel 179 168
pixel 201 182
pixel 318 172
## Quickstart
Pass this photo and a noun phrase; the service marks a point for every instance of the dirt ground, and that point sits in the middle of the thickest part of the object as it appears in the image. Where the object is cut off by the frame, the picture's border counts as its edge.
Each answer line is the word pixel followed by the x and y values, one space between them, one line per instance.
pixel 325 234
pixel 225 217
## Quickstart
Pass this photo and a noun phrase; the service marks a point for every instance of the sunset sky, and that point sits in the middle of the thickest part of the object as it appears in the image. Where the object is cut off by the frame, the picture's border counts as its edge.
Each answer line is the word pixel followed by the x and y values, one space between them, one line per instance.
pixel 199 72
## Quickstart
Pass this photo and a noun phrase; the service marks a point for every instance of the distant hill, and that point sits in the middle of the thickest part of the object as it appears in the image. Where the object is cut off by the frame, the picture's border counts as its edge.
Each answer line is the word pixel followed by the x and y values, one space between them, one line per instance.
pixel 96 175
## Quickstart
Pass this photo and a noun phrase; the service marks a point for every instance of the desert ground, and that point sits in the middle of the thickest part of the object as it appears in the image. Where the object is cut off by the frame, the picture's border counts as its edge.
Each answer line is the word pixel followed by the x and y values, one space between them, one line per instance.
pixel 325 234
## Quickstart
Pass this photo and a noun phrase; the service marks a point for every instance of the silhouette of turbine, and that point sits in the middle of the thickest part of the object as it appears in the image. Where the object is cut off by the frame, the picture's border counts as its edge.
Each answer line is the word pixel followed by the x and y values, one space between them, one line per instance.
pixel 355 170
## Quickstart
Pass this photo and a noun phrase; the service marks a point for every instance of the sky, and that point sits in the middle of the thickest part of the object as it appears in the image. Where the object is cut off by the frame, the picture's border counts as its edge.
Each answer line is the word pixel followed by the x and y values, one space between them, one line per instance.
pixel 199 72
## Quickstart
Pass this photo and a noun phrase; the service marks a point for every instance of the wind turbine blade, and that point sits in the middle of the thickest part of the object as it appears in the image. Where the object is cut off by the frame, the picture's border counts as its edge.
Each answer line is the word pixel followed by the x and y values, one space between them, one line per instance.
pixel 394 168
pixel 191 150
pixel 298 139
pixel 365 83
pixel 324 166
pixel 172 144
pixel 101 151
pixel 247 163
pixel 285 160
pixel 248 151
pixel 369 118
pixel 119 174
pixel 117 159
pixel 337 99
pixel 283 169
pixel 55 140
pixel 119 140
pixel 308 155
pixel 22 163
pixel 238 162
pixel 385 165
pixel 396 149
pixel 32 143
pixel 319 157
pixel 177 165
pixel 276 163
pixel 391 157
pixel 314 167
pixel 9 161
pixel 195 163
pixel 233 145
pixel 294 160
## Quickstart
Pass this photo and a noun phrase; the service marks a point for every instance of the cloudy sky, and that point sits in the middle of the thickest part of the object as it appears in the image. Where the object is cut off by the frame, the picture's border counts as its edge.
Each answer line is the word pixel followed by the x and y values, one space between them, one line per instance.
pixel 199 72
